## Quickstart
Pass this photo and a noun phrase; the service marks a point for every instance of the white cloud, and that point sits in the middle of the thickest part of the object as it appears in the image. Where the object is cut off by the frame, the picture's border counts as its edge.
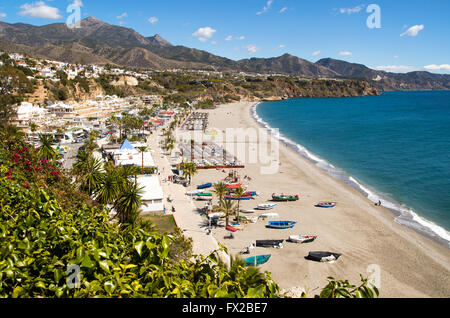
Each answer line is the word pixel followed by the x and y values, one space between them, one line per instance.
pixel 283 9
pixel 345 53
pixel 316 53
pixel 229 38
pixel 251 48
pixel 351 10
pixel 396 68
pixel 214 42
pixel 395 56
pixel 204 34
pixel 241 38
pixel 282 46
pixel 122 22
pixel 434 67
pixel 39 9
pixel 77 3
pixel 153 20
pixel 123 15
pixel 2 15
pixel 414 30
pixel 266 8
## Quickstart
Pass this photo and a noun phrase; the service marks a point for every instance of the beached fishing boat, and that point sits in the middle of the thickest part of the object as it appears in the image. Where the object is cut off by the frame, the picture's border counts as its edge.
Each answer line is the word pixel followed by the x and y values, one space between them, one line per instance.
pixel 326 204
pixel 204 194
pixel 217 215
pixel 205 186
pixel 301 238
pixel 193 192
pixel 247 219
pixel 269 216
pixel 234 185
pixel 203 198
pixel 281 224
pixel 284 198
pixel 248 211
pixel 269 243
pixel 257 260
pixel 266 206
pixel 231 229
pixel 233 197
pixel 323 256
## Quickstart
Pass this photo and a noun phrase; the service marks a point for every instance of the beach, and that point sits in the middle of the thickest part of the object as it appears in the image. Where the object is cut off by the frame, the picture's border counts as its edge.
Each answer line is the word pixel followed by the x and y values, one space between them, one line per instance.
pixel 404 263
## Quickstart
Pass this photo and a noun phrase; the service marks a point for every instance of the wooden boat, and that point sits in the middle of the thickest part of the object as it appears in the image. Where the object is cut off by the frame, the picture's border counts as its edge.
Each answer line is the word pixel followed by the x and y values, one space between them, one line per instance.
pixel 257 260
pixel 284 198
pixel 248 219
pixel 231 229
pixel 269 216
pixel 269 243
pixel 217 215
pixel 301 238
pixel 204 194
pixel 248 211
pixel 266 206
pixel 326 204
pixel 281 224
pixel 323 256
pixel 205 186
pixel 203 198
pixel 193 192
pixel 234 186
pixel 233 197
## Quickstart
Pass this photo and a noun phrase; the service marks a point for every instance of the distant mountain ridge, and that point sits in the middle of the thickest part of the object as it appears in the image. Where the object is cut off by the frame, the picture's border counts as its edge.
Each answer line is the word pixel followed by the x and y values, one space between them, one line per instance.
pixel 99 42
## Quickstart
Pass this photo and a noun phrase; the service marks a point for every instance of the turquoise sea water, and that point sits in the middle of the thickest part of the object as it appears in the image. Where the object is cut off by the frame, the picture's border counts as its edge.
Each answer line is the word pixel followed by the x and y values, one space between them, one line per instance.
pixel 394 147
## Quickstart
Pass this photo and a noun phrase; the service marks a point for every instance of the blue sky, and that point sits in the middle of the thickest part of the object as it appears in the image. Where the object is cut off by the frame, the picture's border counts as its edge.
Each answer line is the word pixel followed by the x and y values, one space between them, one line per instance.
pixel 414 34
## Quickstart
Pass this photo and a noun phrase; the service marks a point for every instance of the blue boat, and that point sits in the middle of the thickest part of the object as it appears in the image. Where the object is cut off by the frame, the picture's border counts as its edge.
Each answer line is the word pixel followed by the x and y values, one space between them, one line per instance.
pixel 232 197
pixel 281 224
pixel 205 186
pixel 257 260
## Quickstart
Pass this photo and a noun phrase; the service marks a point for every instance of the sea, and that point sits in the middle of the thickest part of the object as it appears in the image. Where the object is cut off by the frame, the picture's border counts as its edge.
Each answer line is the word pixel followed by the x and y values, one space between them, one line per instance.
pixel 393 148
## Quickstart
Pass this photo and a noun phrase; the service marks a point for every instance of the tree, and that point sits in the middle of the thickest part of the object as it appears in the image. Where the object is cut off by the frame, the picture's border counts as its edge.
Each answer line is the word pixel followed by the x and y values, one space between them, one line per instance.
pixel 128 203
pixel 227 206
pixel 110 187
pixel 46 150
pixel 189 170
pixel 220 189
pixel 343 289
pixel 239 193
pixel 89 174
pixel 142 150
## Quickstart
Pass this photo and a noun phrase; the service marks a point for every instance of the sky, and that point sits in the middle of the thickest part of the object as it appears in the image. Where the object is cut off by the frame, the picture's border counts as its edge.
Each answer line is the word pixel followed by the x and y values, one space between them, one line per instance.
pixel 391 35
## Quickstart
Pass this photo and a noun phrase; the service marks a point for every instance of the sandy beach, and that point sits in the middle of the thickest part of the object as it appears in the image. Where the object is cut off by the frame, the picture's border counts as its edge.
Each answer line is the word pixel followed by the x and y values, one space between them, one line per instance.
pixel 410 265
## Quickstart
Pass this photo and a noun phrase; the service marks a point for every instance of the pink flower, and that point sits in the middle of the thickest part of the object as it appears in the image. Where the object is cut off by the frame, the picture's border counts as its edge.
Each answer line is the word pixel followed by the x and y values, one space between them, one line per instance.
pixel 26 185
pixel 44 160
pixel 53 173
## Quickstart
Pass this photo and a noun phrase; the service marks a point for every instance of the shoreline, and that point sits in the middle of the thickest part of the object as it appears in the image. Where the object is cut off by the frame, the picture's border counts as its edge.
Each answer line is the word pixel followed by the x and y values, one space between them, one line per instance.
pixel 405 215
pixel 411 265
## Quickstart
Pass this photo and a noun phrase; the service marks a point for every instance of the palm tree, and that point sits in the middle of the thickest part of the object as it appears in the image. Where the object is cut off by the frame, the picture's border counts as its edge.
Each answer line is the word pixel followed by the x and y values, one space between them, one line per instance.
pixel 89 174
pixel 142 150
pixel 128 204
pixel 192 149
pixel 239 193
pixel 227 206
pixel 110 187
pixel 189 170
pixel 170 147
pixel 33 128
pixel 220 190
pixel 46 151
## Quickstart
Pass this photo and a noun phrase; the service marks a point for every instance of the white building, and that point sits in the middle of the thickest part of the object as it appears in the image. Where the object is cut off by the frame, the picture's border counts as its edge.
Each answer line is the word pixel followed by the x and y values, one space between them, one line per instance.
pixel 153 196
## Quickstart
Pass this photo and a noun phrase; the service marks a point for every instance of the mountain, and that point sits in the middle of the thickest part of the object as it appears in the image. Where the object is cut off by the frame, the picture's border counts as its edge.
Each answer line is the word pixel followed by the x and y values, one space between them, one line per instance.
pixel 101 43
pixel 387 80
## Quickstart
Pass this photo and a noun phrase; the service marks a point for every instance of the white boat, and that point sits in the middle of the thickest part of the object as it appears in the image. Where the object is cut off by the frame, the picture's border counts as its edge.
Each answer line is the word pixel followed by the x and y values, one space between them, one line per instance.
pixel 301 238
pixel 266 206
pixel 203 198
pixel 194 192
pixel 269 216
pixel 248 211
pixel 217 215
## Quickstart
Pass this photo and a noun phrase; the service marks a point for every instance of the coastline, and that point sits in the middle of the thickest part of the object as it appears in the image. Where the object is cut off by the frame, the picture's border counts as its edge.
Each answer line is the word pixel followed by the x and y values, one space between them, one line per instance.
pixel 411 265
pixel 404 215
